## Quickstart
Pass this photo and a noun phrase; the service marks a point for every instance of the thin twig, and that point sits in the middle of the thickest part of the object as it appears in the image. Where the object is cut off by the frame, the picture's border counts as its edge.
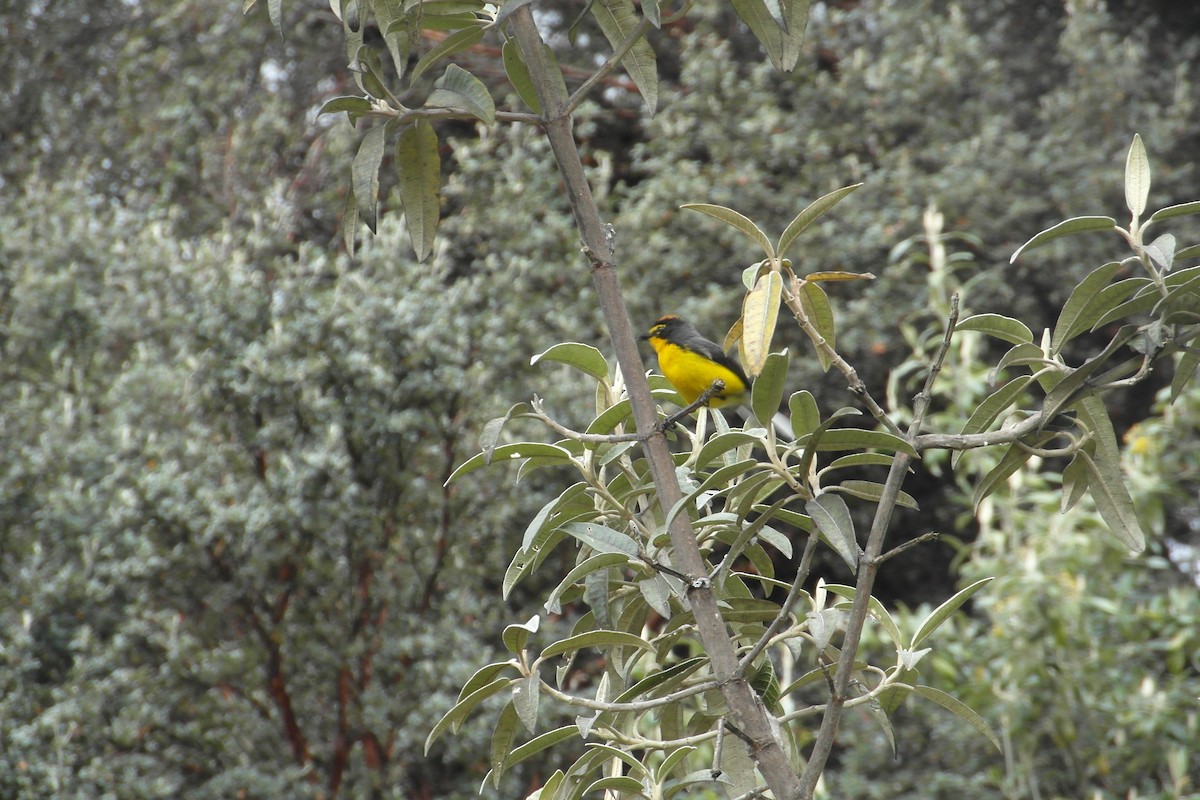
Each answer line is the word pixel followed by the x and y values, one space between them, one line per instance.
pixel 640 30
pixel 785 611
pixel 932 536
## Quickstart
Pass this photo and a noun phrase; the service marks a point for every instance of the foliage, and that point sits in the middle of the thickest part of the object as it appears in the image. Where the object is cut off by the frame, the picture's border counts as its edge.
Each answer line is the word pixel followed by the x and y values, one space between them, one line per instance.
pixel 209 417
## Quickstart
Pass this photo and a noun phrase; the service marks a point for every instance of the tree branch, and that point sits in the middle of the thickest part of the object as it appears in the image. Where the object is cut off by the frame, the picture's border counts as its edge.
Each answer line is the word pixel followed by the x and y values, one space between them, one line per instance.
pixel 746 710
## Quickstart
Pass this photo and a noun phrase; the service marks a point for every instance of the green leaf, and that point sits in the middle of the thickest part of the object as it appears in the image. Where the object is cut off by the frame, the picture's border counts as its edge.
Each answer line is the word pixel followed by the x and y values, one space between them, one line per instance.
pixel 987 411
pixel 1013 459
pixel 601 539
pixel 859 460
pixel 525 695
pixel 502 738
pixel 462 709
pixel 1074 317
pixel 516 636
pixel 349 103
pixel 618 20
pixel 623 785
pixel 1183 209
pixel 518 75
pixel 943 612
pixel 517 450
pixel 483 676
pixel 582 357
pixel 734 220
pixel 869 490
pixel 458 88
pixel 961 709
pixel 1066 228
pixel 804 412
pixel 1111 303
pixel 275 12
pixel 767 392
pixel 1074 483
pixel 1185 370
pixel 809 215
pixel 1001 327
pixel 600 561
pixel 349 223
pixel 672 761
pixel 1161 252
pixel 832 517
pixel 598 639
pixel 1106 484
pixel 876 610
pixel 459 40
pixel 365 174
pixel 540 743
pixel 1066 390
pixel 419 169
pixel 760 313
pixel 816 307
pixel 782 42
pixel 489 437
pixel 1137 177
pixel 857 439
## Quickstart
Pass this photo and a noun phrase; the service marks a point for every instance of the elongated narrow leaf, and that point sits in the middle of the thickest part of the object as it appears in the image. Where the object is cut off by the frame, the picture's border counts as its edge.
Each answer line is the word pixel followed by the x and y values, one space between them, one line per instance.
pixel 809 215
pixel 502 738
pixel 995 404
pixel 857 438
pixel 1066 228
pixel 672 762
pixel 1013 459
pixel 1137 177
pixel 365 174
pixel 767 392
pixel 489 437
pixel 456 42
pixel 583 357
pixel 275 12
pixel 735 220
pixel 1183 209
pixel 943 612
pixel 1066 391
pixel 960 709
pixel 832 518
pixel 525 696
pixel 518 75
pixel 602 539
pixel 816 307
pixel 760 313
pixel 869 490
pixel 350 103
pixel 1162 251
pixel 350 223
pixel 1106 484
pixel 1074 483
pixel 1006 328
pixel 782 42
pixel 455 716
pixel 600 561
pixel 458 88
pixel 1073 319
pixel 419 168
pixel 805 415
pixel 516 451
pixel 540 743
pixel 1185 370
pixel 618 20
pixel 598 640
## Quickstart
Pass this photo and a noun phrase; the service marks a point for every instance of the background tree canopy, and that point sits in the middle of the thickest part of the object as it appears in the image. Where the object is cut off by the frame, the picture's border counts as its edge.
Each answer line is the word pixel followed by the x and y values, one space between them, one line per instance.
pixel 229 566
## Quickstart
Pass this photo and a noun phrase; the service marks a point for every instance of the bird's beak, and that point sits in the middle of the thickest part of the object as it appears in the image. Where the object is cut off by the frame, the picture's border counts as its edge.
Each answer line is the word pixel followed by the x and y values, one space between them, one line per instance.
pixel 644 337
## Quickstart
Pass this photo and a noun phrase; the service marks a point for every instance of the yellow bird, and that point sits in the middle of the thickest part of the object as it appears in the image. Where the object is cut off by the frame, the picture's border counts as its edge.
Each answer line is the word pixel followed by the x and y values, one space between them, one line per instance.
pixel 691 363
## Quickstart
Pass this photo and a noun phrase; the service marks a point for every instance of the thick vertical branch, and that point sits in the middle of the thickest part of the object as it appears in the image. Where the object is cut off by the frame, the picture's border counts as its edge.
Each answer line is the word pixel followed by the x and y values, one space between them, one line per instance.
pixel 868 567
pixel 746 712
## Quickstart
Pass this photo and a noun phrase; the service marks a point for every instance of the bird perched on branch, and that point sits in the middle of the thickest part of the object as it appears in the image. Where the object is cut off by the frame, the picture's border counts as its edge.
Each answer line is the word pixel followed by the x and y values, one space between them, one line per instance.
pixel 692 363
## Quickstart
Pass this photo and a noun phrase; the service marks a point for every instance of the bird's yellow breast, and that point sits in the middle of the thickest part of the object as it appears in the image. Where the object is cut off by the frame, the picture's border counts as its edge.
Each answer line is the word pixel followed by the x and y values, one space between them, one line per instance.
pixel 691 373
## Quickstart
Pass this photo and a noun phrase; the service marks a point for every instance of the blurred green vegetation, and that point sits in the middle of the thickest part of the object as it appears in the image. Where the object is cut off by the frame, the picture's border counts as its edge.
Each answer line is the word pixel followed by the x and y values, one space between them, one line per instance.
pixel 228 565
